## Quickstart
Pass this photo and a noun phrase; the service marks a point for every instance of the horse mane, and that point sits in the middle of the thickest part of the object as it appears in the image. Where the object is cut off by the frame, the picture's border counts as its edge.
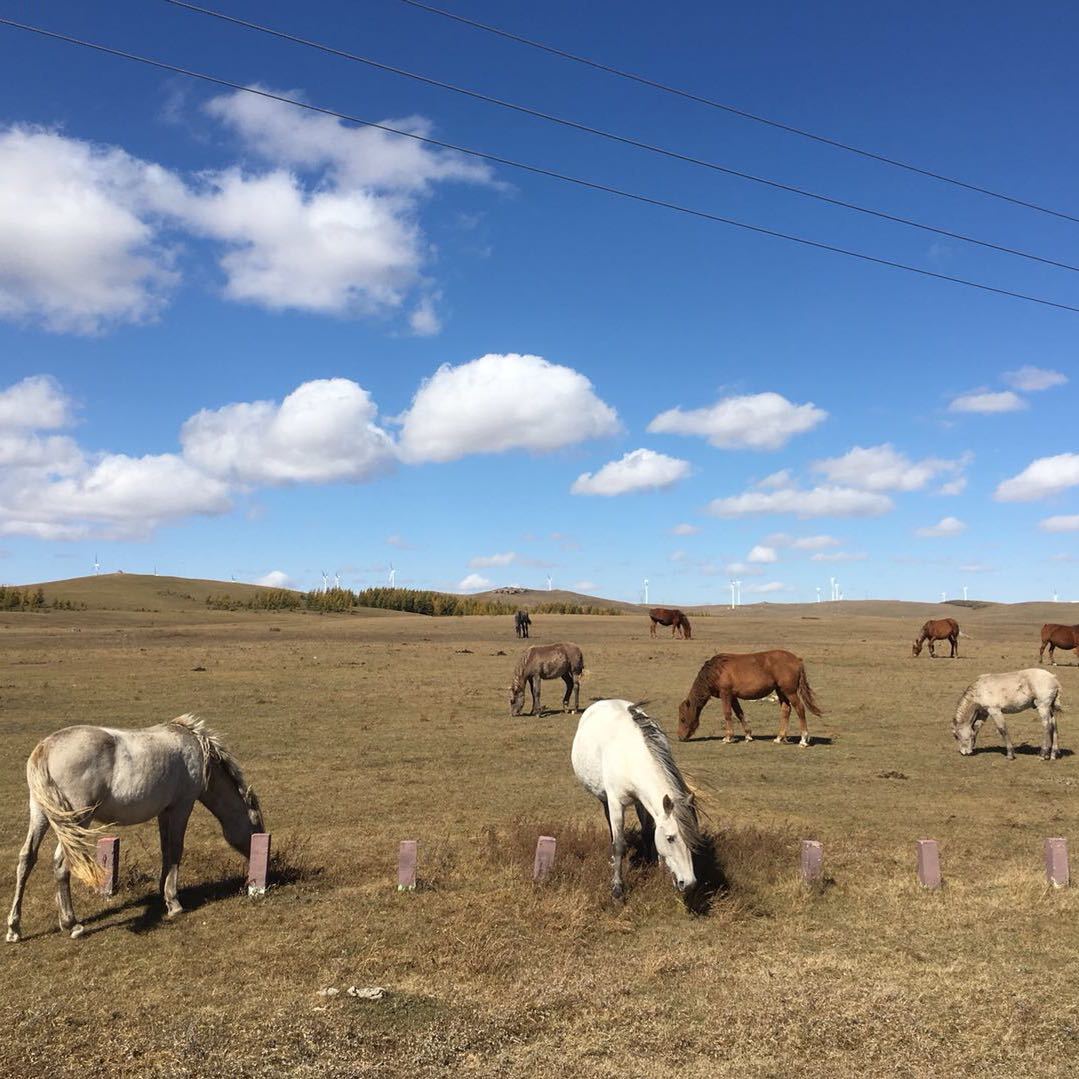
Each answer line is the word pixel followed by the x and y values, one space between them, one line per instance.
pixel 966 708
pixel 214 751
pixel 519 671
pixel 659 746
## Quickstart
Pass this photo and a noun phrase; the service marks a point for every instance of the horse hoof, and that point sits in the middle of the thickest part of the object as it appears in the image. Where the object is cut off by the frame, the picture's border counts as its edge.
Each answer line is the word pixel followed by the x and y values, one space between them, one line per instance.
pixel 13 936
pixel 803 745
pixel 76 932
pixel 749 738
pixel 727 741
pixel 778 740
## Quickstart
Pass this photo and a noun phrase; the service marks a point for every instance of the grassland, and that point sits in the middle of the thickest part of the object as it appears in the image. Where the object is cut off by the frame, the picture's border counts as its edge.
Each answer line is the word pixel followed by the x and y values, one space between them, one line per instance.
pixel 361 731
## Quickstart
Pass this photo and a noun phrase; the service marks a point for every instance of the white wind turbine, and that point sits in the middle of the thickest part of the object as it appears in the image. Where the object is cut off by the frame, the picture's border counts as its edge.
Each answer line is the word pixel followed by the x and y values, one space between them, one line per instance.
pixel 835 591
pixel 732 594
pixel 337 580
pixel 548 582
pixel 393 576
pixel 964 593
pixel 818 593
pixel 646 591
pixel 97 566
pixel 325 582
pixel 944 597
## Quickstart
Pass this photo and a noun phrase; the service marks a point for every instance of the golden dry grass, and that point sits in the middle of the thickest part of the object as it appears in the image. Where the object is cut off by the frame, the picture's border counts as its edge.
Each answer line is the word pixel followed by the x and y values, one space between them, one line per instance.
pixel 358 732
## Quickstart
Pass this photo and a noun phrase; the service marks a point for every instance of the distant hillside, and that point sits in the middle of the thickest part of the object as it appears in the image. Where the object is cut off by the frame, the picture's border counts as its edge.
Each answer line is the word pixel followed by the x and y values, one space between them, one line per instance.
pixel 528 598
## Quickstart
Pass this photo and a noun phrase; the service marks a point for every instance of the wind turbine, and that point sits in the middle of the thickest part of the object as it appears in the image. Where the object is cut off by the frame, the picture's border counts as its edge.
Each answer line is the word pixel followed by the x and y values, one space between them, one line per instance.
pixel 325 582
pixel 818 593
pixel 548 582
pixel 97 566
pixel 393 576
pixel 834 593
pixel 964 593
pixel 738 590
pixel 646 591
pixel 337 580
pixel 944 597
pixel 732 594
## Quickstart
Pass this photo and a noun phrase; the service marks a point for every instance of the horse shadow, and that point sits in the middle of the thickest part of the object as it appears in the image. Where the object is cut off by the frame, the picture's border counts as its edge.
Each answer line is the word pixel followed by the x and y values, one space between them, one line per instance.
pixel 792 739
pixel 1023 750
pixel 712 882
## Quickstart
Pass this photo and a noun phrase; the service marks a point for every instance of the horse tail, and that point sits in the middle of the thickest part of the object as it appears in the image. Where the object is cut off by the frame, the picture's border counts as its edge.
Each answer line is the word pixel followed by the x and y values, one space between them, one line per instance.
pixel 805 691
pixel 967 635
pixel 687 629
pixel 78 842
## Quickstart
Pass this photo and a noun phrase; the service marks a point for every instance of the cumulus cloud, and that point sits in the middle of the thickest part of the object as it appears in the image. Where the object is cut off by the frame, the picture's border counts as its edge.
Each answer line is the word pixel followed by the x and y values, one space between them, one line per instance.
pixel 762 554
pixel 322 432
pixel 953 487
pixel 685 529
pixel 486 561
pixel 275 579
pixel 36 402
pixel 584 586
pixel 762 421
pixel 473 583
pixel 1041 478
pixel 424 320
pixel 767 587
pixel 946 526
pixel 1032 379
pixel 743 569
pixel 987 402
pixel 639 470
pixel 839 556
pixel 825 501
pixel 800 543
pixel 782 478
pixel 1061 524
pixel 883 468
pixel 502 402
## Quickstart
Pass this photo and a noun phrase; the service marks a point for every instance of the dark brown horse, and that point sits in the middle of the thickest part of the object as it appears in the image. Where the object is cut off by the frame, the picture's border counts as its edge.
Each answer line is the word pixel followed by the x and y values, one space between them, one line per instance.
pixel 521 623
pixel 1055 636
pixel 750 677
pixel 671 616
pixel 541 661
pixel 938 629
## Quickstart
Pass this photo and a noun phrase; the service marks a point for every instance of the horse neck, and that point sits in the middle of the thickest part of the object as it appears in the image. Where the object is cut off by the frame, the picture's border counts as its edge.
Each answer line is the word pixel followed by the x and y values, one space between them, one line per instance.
pixel 966 710
pixel 700 691
pixel 228 804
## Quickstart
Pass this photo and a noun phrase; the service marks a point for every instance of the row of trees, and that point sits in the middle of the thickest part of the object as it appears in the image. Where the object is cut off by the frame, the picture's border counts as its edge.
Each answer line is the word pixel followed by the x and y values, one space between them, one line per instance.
pixel 32 599
pixel 414 601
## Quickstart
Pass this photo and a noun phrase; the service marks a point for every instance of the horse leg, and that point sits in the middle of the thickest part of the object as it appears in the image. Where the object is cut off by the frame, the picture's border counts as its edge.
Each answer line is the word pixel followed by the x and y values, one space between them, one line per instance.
pixel 955 646
pixel 784 718
pixel 576 691
pixel 62 872
pixel 1052 659
pixel 171 826
pixel 652 629
pixel 648 834
pixel 1041 652
pixel 728 737
pixel 736 705
pixel 998 719
pixel 1050 748
pixel 534 686
pixel 618 846
pixel 932 654
pixel 802 726
pixel 568 679
pixel 39 825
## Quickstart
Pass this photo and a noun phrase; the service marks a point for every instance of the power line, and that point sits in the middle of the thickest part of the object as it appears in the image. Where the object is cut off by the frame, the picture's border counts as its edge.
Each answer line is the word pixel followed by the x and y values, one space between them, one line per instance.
pixel 613 137
pixel 536 170
pixel 735 111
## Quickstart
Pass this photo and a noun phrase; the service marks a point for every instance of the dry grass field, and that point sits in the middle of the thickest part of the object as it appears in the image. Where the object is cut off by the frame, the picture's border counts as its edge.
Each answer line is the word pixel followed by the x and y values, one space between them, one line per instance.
pixel 360 731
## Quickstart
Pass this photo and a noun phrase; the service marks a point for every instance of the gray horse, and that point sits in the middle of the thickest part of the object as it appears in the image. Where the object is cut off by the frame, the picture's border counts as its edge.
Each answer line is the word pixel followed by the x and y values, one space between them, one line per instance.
pixel 541 661
pixel 997 695
pixel 80 775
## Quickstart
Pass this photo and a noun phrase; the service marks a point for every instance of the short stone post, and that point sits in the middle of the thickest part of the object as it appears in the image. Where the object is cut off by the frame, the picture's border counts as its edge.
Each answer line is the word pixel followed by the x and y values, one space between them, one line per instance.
pixel 812 861
pixel 406 866
pixel 107 857
pixel 1056 862
pixel 258 864
pixel 929 864
pixel 545 848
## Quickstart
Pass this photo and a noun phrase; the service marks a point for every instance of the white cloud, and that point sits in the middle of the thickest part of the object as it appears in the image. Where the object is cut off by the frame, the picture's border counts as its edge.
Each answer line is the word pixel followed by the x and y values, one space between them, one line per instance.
pixel 473 583
pixel 502 402
pixel 742 569
pixel 78 251
pixel 639 470
pixel 763 421
pixel 953 487
pixel 782 478
pixel 839 556
pixel 946 526
pixel 767 587
pixel 275 579
pixel 762 554
pixel 883 468
pixel 977 567
pixel 322 432
pixel 424 320
pixel 1061 524
pixel 816 502
pixel 1041 478
pixel 486 561
pixel 36 402
pixel 814 543
pixel 585 586
pixel 987 402
pixel 684 529
pixel 1032 379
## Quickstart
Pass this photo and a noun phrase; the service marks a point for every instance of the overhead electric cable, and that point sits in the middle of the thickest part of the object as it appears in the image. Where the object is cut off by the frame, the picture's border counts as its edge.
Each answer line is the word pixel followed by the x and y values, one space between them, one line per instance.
pixel 536 170
pixel 613 137
pixel 689 95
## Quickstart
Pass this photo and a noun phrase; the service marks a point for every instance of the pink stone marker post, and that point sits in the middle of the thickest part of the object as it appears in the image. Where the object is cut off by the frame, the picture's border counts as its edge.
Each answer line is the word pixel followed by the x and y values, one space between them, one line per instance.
pixel 406 866
pixel 258 864
pixel 545 848
pixel 812 861
pixel 1056 862
pixel 108 857
pixel 929 864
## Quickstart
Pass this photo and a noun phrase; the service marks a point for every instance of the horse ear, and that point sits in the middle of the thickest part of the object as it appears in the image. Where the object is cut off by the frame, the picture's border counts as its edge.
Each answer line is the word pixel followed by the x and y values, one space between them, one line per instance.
pixel 668 805
pixel 691 799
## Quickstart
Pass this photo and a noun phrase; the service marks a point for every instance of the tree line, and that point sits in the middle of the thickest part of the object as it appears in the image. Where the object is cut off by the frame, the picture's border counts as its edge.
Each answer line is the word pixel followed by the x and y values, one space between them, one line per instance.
pixel 32 599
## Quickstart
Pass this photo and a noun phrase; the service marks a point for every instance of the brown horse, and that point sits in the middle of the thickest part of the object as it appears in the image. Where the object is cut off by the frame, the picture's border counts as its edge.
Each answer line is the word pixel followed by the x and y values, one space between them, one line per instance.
pixel 564 661
pixel 1056 636
pixel 938 629
pixel 671 616
pixel 750 677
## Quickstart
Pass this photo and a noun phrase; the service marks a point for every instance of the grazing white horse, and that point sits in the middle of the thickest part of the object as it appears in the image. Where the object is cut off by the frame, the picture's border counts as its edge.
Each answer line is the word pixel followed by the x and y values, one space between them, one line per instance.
pixel 80 775
pixel 998 695
pixel 623 758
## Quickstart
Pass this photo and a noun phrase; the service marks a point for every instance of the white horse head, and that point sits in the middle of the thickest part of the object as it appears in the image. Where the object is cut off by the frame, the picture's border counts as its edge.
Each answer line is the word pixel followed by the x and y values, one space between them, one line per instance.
pixel 678 822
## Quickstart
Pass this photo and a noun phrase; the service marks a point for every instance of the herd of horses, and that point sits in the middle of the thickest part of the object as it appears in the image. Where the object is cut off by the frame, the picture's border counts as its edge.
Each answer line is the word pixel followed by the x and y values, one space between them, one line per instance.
pixel 83 778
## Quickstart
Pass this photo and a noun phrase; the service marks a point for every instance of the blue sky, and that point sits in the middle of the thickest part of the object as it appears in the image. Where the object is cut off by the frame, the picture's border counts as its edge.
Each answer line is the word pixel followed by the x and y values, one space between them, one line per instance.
pixel 240 340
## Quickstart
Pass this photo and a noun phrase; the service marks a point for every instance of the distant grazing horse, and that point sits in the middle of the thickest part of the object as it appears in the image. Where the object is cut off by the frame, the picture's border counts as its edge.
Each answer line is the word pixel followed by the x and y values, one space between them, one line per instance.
pixel 750 677
pixel 521 623
pixel 938 629
pixel 541 661
pixel 1054 637
pixel 671 616
pixel 998 695
pixel 622 757
pixel 84 774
